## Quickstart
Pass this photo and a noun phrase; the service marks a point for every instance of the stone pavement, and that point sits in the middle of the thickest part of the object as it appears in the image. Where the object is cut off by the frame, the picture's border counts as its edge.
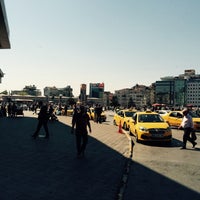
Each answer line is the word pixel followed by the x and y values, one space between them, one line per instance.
pixel 44 169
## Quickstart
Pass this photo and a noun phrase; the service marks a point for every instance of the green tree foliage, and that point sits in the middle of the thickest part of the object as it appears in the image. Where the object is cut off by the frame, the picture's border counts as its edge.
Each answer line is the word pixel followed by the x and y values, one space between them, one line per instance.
pixel 71 101
pixel 115 102
pixel 131 103
pixel 4 92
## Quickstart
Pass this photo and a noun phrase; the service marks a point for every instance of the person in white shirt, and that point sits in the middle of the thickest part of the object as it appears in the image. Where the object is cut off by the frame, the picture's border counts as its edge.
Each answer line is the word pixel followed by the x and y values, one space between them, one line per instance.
pixel 187 126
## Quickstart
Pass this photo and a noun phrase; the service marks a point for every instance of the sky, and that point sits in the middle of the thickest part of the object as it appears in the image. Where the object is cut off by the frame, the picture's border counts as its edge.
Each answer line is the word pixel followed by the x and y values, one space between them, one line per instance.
pixel 118 42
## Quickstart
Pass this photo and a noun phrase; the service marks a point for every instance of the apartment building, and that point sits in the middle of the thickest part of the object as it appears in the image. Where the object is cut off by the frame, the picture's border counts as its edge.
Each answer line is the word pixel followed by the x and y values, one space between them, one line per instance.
pixel 138 96
pixel 54 91
pixel 180 90
pixel 193 92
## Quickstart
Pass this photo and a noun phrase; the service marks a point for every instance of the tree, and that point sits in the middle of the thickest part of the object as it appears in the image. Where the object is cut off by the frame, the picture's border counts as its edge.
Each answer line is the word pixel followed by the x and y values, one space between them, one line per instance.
pixel 71 101
pixel 115 102
pixel 4 92
pixel 131 103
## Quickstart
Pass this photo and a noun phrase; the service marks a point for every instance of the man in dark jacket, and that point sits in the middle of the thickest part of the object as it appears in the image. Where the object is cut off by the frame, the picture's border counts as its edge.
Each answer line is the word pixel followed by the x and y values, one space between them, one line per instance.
pixel 99 111
pixel 81 120
pixel 43 118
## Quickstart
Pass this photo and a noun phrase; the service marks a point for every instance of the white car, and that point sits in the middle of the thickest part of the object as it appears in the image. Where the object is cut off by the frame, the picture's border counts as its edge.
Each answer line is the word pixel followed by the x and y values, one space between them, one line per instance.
pixel 162 112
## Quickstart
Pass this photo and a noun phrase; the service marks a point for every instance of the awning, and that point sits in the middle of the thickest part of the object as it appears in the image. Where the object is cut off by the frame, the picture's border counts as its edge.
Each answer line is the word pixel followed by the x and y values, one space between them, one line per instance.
pixel 4 30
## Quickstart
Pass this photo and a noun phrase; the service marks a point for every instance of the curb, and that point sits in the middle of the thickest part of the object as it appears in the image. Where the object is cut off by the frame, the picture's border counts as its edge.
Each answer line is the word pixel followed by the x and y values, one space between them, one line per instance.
pixel 127 167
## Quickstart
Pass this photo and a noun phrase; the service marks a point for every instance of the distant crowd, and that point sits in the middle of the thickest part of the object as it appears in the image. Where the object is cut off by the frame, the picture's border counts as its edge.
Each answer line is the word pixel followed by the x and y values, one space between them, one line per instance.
pixel 12 109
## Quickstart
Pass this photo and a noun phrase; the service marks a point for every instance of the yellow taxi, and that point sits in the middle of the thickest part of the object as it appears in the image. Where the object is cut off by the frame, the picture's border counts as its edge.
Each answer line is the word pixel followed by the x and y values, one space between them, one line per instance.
pixel 174 119
pixel 123 117
pixel 91 113
pixel 150 126
pixel 70 112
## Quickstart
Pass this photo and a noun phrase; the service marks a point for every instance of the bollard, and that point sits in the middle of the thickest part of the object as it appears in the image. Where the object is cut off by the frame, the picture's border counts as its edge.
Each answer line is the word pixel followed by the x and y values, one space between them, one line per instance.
pixel 120 128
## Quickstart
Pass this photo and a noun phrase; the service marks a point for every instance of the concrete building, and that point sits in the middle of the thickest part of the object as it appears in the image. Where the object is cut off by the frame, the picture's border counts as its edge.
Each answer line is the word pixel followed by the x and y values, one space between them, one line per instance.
pixel 55 92
pixel 27 90
pixel 180 90
pixel 193 92
pixel 96 90
pixel 138 96
pixel 83 95
pixel 107 98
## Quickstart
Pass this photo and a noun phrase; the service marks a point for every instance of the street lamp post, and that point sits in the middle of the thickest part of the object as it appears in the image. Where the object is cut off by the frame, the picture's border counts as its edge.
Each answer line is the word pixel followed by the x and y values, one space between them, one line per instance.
pixel 60 97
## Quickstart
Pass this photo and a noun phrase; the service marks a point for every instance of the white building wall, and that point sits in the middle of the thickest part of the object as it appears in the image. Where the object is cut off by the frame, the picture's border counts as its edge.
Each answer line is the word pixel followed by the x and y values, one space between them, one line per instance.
pixel 193 92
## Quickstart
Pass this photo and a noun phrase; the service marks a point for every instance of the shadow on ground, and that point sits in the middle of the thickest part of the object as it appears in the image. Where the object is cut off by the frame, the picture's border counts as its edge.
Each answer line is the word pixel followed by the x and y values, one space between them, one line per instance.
pixel 48 169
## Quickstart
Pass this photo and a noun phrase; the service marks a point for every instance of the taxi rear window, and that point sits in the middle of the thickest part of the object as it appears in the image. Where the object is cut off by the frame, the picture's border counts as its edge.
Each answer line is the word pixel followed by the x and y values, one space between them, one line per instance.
pixel 149 118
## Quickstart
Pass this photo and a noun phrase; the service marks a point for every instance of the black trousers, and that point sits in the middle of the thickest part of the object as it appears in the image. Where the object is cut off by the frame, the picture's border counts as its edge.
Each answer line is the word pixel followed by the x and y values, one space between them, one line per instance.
pixel 39 126
pixel 186 136
pixel 98 118
pixel 81 142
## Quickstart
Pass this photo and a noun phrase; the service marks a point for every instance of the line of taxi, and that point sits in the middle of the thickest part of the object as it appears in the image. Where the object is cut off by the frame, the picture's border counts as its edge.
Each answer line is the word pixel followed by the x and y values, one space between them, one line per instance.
pixel 123 117
pixel 91 113
pixel 152 126
pixel 145 126
pixel 174 118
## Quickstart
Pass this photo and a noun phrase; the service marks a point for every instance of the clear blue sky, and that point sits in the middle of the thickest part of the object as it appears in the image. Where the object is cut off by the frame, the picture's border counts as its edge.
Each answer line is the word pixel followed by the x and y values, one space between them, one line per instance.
pixel 118 42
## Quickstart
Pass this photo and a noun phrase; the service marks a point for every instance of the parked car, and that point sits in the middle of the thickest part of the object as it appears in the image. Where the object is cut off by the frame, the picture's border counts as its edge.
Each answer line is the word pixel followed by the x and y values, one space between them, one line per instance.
pixel 150 126
pixel 174 118
pixel 162 112
pixel 70 112
pixel 91 113
pixel 123 117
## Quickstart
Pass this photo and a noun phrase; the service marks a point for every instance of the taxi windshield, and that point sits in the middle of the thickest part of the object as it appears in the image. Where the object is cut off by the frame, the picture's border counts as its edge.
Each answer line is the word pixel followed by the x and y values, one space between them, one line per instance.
pixel 129 113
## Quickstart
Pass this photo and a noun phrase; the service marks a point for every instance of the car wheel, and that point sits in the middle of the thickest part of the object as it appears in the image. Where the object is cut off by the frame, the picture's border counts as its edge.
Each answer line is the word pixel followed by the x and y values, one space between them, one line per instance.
pixel 137 140
pixel 125 126
pixel 114 123
pixel 130 133
pixel 169 143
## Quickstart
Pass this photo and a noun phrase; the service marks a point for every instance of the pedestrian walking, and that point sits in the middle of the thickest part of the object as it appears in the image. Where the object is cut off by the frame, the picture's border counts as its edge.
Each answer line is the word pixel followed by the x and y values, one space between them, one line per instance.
pixel 98 112
pixel 9 109
pixel 14 110
pixel 52 116
pixel 43 118
pixel 188 127
pixel 95 112
pixel 81 122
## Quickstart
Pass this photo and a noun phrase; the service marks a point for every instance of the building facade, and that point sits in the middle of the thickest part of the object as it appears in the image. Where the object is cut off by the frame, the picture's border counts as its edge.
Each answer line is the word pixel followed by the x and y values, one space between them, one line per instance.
pixel 193 92
pixel 55 92
pixel 83 95
pixel 96 90
pixel 107 98
pixel 138 96
pixel 27 90
pixel 32 90
pixel 180 90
